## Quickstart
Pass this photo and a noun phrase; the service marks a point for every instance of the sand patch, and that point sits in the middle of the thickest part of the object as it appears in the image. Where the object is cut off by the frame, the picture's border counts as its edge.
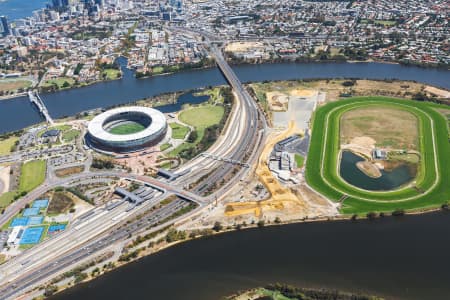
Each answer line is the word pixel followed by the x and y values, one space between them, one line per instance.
pixel 363 145
pixel 369 169
pixel 243 46
pixel 277 101
pixel 437 92
pixel 303 93
pixel 4 179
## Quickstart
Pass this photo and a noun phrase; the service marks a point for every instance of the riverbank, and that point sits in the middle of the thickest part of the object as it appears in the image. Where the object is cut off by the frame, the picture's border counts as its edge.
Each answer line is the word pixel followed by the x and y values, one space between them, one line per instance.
pixel 299 257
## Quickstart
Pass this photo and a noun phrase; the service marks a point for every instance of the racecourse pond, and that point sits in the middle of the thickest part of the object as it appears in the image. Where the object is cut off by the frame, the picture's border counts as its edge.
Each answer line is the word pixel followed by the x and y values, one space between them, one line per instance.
pixel 388 180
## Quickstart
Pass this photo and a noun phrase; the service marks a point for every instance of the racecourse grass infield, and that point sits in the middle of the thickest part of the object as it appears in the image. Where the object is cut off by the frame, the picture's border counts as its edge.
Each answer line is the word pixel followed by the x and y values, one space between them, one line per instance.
pixel 430 188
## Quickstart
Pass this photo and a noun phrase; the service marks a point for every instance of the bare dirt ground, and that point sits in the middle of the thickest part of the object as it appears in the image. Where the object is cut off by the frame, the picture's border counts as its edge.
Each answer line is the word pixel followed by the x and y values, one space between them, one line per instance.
pixel 242 46
pixel 277 101
pixel 4 179
pixel 437 92
pixel 141 163
pixel 369 169
pixel 390 128
pixel 334 88
pixel 361 144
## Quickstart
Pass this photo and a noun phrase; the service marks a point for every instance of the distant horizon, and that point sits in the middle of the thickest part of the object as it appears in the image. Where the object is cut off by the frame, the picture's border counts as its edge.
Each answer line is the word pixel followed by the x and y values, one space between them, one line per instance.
pixel 18 9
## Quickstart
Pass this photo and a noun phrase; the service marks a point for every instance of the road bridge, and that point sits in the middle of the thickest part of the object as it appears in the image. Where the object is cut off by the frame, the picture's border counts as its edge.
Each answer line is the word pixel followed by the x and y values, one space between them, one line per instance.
pixel 36 100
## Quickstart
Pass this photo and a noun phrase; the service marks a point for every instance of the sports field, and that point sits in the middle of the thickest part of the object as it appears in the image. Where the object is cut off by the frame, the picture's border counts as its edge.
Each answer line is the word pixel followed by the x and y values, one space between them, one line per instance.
pixel 127 128
pixel 32 175
pixel 431 187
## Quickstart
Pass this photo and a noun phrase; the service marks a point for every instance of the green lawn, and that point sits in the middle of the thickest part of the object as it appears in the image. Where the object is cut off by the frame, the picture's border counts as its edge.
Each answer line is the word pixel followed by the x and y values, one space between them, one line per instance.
pixel 165 146
pixel 127 128
pixel 157 70
pixel 111 74
pixel 32 175
pixel 60 82
pixel 7 198
pixel 299 160
pixel 70 135
pixel 5 145
pixel 178 131
pixel 432 184
pixel 200 118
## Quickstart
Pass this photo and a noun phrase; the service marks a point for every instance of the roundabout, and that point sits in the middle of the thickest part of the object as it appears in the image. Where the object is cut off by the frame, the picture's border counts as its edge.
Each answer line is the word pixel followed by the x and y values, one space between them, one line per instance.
pixel 428 188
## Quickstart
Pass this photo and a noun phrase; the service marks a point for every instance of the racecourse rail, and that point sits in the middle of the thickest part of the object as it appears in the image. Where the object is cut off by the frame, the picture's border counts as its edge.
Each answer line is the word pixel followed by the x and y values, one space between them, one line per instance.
pixel 431 186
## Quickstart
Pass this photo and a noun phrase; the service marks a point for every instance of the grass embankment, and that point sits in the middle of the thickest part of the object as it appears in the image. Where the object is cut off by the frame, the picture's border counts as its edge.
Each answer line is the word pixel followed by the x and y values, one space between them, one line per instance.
pixel 127 128
pixel 7 144
pixel 62 128
pixel 60 83
pixel 32 175
pixel 70 135
pixel 200 118
pixel 431 187
pixel 178 131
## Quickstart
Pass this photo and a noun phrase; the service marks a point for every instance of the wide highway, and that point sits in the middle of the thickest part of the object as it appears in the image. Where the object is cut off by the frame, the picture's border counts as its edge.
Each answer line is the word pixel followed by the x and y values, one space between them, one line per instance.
pixel 240 142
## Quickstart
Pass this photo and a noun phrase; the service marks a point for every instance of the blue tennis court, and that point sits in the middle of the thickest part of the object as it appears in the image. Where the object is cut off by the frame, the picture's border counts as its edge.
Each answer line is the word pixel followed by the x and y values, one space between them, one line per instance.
pixel 57 227
pixel 33 211
pixel 31 235
pixel 19 221
pixel 36 220
pixel 41 203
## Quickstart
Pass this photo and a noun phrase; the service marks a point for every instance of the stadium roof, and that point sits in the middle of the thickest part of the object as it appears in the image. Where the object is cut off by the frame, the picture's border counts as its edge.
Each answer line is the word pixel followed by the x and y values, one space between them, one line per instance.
pixel 157 125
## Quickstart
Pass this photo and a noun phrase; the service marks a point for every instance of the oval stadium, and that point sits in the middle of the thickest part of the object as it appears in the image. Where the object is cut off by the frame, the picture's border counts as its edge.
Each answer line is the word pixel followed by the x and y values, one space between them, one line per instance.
pixel 126 129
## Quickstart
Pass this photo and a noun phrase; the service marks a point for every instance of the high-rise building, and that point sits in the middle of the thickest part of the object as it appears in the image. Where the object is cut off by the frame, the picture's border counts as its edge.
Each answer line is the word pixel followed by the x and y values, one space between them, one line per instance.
pixel 4 27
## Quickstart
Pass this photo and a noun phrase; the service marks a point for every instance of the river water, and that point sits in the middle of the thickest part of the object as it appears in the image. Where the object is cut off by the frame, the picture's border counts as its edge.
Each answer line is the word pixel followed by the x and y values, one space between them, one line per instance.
pixel 128 89
pixel 17 9
pixel 397 258
pixel 403 258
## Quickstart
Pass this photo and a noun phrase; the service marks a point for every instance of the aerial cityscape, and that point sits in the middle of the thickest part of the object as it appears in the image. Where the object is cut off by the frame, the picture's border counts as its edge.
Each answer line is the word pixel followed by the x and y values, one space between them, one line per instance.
pixel 200 149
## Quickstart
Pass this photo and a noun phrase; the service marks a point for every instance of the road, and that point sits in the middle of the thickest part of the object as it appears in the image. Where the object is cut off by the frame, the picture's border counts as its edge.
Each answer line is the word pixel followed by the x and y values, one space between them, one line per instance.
pixel 241 141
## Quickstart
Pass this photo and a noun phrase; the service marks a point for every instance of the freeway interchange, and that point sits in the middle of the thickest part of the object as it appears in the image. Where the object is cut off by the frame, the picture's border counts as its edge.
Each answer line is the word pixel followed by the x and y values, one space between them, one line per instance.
pixel 240 141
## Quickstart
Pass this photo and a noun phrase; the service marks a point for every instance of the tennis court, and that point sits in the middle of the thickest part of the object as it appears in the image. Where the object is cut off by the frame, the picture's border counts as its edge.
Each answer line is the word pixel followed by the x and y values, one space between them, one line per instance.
pixel 19 221
pixel 41 203
pixel 56 228
pixel 31 235
pixel 33 211
pixel 36 220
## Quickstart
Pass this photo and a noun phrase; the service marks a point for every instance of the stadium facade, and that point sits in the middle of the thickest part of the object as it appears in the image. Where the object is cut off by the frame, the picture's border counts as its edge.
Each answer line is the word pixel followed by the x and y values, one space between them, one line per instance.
pixel 152 121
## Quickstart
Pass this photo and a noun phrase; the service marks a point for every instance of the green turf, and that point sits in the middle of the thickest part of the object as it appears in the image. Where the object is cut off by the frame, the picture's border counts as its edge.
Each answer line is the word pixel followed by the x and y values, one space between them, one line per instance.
pixel 178 131
pixel 299 160
pixel 70 135
pixel 59 82
pixel 200 118
pixel 32 175
pixel 6 145
pixel 127 128
pixel 428 181
pixel 7 198
pixel 165 146
pixel 111 74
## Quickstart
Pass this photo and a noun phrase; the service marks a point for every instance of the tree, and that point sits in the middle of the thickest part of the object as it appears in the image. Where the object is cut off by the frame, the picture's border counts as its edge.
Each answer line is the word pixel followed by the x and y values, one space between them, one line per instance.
pixel 261 223
pixel 217 226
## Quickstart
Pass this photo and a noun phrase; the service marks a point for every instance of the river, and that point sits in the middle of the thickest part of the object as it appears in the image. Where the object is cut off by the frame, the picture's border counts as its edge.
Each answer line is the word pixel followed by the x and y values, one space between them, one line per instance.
pixel 397 258
pixel 17 9
pixel 128 89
